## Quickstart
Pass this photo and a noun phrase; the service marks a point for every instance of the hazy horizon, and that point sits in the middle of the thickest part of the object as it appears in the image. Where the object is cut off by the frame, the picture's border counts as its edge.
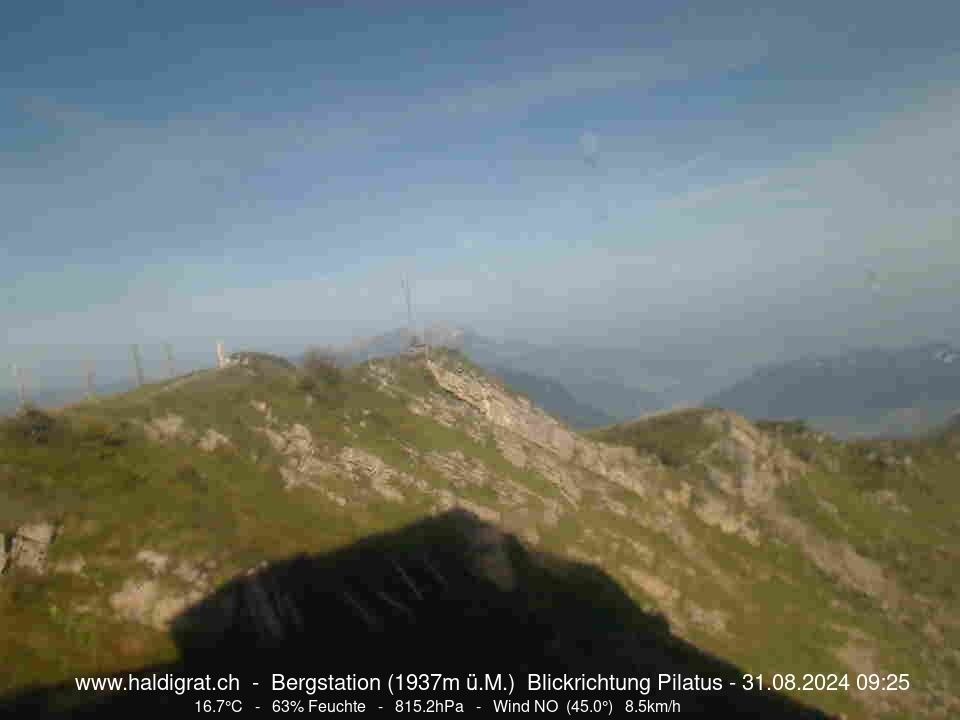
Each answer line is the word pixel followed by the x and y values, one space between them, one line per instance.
pixel 754 185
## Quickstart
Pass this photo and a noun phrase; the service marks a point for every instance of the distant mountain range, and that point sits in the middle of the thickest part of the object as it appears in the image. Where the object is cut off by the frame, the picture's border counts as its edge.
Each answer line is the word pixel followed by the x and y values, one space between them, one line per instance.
pixel 584 387
pixel 867 392
pixel 873 391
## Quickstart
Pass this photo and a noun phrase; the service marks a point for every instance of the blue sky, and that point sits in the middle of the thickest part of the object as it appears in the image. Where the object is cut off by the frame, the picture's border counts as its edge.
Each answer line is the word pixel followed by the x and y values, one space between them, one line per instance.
pixel 751 181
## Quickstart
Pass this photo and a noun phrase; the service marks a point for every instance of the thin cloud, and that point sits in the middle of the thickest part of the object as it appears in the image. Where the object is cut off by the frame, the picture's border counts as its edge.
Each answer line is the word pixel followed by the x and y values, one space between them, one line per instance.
pixel 914 148
pixel 50 110
pixel 200 135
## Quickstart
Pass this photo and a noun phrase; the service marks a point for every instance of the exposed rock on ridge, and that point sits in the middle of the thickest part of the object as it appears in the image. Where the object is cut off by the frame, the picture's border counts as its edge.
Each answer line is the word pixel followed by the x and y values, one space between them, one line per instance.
pixel 29 547
pixel 519 418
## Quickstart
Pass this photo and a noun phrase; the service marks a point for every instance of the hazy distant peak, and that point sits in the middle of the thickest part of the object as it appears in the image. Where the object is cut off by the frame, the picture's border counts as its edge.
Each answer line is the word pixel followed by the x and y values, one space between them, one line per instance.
pixel 947 356
pixel 446 335
pixel 873 390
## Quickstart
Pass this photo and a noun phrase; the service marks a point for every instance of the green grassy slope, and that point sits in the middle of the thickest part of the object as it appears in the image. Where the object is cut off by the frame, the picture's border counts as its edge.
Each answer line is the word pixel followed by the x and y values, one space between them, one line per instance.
pixel 314 462
pixel 894 503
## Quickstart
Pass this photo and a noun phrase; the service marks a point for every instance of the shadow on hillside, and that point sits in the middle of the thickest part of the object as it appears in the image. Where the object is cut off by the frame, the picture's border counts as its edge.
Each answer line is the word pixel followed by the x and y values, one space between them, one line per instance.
pixel 449 595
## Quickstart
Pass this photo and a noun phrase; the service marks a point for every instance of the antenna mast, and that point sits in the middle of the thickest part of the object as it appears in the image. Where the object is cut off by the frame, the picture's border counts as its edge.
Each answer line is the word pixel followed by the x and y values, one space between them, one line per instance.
pixel 405 284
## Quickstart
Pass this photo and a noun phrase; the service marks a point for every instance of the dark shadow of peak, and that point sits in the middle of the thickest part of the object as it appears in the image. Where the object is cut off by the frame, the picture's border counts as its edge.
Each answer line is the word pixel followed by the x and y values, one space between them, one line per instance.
pixel 449 586
pixel 448 594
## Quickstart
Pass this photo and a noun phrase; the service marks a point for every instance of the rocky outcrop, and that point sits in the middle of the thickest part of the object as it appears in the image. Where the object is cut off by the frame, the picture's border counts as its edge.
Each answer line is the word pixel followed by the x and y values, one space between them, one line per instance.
pixel 171 427
pixel 296 444
pixel 744 465
pixel 149 603
pixel 452 413
pixel 652 585
pixel 713 621
pixel 758 463
pixel 171 587
pixel 890 499
pixel 528 437
pixel 567 478
pixel 30 547
pixel 262 407
pixel 623 466
pixel 505 410
pixel 305 466
pixel 157 562
pixel 168 428
pixel 258 361
pixel 463 471
pixel 381 476
pixel 212 440
pixel 717 512
pixel 839 560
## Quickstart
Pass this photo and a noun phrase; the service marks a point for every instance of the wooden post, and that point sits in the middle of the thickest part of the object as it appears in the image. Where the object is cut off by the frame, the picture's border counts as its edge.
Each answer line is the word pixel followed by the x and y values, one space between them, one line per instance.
pixel 90 378
pixel 221 356
pixel 171 368
pixel 21 385
pixel 137 365
pixel 405 284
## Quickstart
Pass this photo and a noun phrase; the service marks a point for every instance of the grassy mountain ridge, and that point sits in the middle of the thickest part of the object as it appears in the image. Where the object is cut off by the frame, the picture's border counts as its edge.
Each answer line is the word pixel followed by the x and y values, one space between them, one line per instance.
pixel 774 547
pixel 584 388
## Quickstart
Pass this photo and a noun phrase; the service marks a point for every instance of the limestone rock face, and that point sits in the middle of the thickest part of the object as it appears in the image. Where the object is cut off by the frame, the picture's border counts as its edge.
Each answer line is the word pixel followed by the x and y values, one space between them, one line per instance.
pixel 621 465
pixel 306 466
pixel 148 602
pixel 762 464
pixel 299 441
pixel 356 461
pixel 168 428
pixel 170 588
pixel 135 600
pixel 519 425
pixel 30 546
pixel 157 562
pixel 717 512
pixel 506 411
pixel 212 440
